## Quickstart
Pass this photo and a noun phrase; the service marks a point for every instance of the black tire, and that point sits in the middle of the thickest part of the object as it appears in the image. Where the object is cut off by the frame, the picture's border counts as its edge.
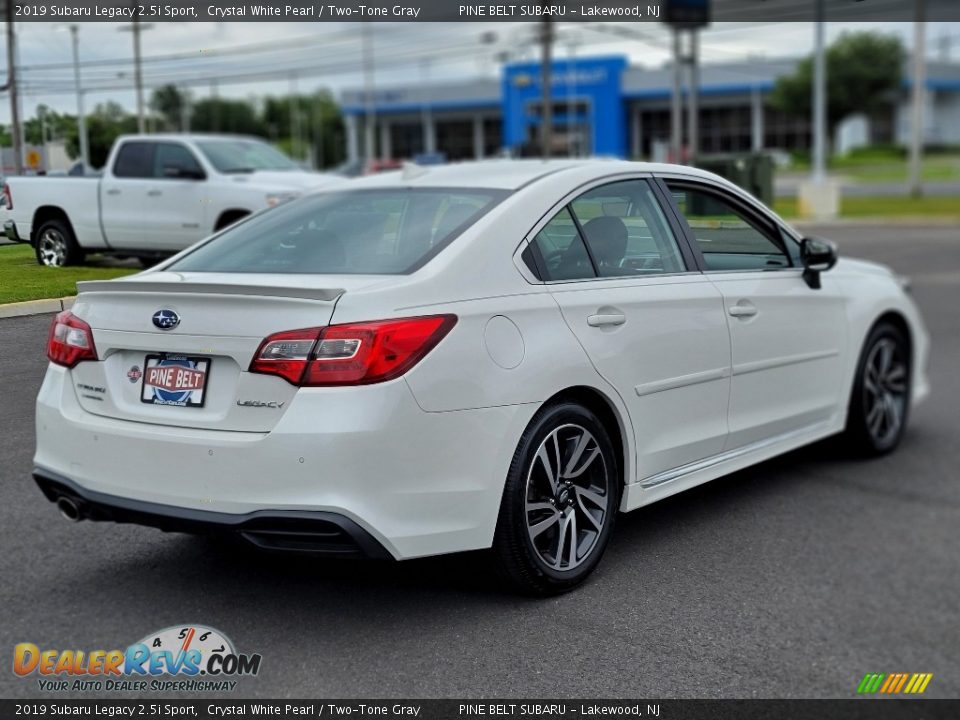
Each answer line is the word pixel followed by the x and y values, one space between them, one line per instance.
pixel 149 262
pixel 880 400
pixel 56 245
pixel 549 564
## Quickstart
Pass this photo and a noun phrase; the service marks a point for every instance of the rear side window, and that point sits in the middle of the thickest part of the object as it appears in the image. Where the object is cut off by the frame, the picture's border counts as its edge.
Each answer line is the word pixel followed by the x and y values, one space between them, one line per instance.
pixel 384 231
pixel 626 231
pixel 135 160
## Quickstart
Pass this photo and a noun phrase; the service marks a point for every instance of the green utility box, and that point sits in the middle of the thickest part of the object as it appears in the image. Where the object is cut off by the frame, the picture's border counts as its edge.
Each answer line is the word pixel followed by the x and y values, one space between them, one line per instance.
pixel 753 172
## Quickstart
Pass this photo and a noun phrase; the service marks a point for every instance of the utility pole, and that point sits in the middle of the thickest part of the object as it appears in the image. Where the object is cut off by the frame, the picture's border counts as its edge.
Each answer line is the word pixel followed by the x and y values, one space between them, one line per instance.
pixel 919 91
pixel 426 114
pixel 546 121
pixel 136 27
pixel 294 119
pixel 693 116
pixel 11 86
pixel 370 119
pixel 819 99
pixel 81 115
pixel 215 97
pixel 676 102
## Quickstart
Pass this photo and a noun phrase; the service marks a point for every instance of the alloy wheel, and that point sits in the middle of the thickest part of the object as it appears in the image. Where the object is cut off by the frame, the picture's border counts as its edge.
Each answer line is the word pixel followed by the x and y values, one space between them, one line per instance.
pixel 885 390
pixel 567 497
pixel 53 248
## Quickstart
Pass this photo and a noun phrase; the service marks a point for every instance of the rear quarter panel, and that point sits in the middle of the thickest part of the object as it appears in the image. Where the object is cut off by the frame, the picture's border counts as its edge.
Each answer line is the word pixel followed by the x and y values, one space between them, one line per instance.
pixel 77 197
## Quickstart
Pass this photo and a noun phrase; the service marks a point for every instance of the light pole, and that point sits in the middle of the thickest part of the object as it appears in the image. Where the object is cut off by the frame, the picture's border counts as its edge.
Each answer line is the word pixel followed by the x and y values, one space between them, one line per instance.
pixel 819 99
pixel 919 82
pixel 370 115
pixel 81 115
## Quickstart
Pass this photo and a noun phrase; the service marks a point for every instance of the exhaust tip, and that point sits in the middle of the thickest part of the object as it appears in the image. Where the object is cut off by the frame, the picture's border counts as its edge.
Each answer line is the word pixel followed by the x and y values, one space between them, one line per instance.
pixel 68 508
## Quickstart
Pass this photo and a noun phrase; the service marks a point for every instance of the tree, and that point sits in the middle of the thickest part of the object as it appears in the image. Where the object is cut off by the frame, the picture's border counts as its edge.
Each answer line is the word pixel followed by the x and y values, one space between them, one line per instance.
pixel 104 124
pixel 321 126
pixel 171 104
pixel 227 116
pixel 864 74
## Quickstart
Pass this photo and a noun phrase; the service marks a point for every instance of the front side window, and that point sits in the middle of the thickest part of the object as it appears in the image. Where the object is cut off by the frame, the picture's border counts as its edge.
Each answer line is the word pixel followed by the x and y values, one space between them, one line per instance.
pixel 173 160
pixel 135 160
pixel 728 238
pixel 384 231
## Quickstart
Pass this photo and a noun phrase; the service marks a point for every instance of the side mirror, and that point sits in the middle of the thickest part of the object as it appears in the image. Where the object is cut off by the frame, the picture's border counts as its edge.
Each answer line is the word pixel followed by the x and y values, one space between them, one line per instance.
pixel 817 255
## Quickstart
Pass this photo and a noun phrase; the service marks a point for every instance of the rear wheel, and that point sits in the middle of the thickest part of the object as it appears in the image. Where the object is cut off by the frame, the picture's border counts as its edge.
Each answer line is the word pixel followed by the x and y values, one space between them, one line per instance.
pixel 880 401
pixel 56 245
pixel 559 503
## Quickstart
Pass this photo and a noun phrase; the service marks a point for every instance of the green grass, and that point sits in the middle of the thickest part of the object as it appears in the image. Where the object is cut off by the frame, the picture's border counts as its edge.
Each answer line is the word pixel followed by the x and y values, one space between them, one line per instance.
pixel 21 278
pixel 884 207
pixel 887 168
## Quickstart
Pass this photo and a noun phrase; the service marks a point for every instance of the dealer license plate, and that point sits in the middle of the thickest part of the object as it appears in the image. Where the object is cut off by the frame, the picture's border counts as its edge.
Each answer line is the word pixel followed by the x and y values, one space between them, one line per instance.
pixel 179 380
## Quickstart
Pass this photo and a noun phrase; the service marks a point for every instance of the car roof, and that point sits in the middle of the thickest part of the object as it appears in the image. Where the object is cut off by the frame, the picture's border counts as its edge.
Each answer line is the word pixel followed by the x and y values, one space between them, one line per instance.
pixel 509 174
pixel 188 137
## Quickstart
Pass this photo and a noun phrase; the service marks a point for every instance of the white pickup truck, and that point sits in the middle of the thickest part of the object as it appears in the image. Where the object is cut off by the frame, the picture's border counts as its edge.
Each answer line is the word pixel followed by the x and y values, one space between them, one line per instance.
pixel 157 195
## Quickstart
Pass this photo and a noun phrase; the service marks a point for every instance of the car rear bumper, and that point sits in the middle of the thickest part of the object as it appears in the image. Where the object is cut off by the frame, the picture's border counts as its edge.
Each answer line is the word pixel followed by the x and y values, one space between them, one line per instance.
pixel 323 533
pixel 419 483
pixel 10 231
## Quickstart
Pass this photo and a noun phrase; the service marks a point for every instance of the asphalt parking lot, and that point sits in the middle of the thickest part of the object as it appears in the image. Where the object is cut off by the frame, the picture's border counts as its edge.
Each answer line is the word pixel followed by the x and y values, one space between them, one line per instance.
pixel 790 579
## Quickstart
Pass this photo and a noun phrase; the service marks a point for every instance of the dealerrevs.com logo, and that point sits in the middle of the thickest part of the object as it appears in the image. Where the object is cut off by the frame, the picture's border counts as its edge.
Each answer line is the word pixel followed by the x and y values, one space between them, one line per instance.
pixel 182 658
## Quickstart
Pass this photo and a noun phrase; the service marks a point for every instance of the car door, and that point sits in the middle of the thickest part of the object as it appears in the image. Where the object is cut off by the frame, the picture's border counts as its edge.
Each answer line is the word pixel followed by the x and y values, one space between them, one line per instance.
pixel 651 324
pixel 123 195
pixel 175 206
pixel 787 339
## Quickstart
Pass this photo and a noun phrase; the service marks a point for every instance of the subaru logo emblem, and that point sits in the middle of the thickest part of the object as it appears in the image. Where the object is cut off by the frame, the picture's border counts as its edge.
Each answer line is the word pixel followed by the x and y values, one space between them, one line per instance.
pixel 166 319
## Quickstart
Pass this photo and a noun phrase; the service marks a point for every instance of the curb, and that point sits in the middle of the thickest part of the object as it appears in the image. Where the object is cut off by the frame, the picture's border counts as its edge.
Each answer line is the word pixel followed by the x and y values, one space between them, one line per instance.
pixel 36 307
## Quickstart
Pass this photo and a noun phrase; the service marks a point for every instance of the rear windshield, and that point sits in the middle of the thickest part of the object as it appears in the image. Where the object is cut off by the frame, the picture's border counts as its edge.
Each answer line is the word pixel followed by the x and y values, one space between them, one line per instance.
pixel 389 231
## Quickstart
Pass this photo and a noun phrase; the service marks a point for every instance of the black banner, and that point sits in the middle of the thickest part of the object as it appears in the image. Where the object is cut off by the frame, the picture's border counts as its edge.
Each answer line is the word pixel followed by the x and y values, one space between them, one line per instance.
pixel 861 709
pixel 471 10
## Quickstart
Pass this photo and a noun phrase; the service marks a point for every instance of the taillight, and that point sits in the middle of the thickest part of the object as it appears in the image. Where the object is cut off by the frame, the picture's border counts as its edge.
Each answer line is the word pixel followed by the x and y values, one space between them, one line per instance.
pixel 70 340
pixel 7 196
pixel 353 354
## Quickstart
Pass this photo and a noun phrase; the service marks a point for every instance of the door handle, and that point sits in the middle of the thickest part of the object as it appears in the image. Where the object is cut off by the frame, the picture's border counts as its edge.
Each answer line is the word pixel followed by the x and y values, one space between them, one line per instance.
pixel 113 191
pixel 743 310
pixel 154 193
pixel 601 320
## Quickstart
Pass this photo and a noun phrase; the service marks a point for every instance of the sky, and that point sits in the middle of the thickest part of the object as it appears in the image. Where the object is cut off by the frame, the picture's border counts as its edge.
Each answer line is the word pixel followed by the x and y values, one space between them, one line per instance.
pixel 252 60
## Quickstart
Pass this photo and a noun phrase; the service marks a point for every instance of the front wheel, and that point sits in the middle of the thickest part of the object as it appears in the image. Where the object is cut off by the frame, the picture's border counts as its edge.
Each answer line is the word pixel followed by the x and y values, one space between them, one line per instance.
pixel 57 246
pixel 880 401
pixel 559 503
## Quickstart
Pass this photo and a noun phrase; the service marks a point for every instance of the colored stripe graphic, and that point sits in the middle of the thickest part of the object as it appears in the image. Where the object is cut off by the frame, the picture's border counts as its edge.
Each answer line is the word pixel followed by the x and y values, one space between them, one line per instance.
pixel 894 683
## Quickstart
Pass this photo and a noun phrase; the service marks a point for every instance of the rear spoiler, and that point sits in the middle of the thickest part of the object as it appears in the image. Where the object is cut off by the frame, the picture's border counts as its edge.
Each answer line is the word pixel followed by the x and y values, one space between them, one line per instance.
pixel 165 288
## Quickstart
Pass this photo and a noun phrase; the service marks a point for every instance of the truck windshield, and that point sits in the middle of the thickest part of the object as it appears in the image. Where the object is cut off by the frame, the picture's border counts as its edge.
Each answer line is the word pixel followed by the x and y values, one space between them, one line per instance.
pixel 381 231
pixel 242 156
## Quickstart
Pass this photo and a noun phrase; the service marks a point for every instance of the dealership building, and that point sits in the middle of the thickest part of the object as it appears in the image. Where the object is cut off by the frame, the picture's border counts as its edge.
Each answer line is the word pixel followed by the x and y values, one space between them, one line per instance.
pixel 604 106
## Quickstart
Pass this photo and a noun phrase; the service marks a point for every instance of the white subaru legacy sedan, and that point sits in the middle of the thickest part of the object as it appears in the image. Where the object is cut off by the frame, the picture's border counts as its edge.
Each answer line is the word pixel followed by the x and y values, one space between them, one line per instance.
pixel 499 355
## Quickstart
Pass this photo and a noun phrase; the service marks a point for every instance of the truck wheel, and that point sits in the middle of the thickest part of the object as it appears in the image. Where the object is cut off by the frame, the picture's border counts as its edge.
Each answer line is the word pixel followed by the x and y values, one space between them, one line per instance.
pixel 57 246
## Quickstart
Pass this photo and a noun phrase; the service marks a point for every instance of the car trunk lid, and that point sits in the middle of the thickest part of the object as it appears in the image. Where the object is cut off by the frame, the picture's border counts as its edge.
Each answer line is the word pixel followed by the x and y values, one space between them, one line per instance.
pixel 194 373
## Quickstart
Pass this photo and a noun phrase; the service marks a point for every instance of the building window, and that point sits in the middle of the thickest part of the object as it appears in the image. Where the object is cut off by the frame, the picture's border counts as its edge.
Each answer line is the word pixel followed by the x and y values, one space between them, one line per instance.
pixel 455 139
